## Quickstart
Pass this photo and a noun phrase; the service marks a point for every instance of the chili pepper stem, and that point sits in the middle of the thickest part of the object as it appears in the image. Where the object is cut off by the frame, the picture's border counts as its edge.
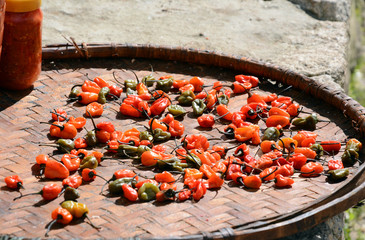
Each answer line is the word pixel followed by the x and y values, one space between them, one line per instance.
pixel 24 195
pixel 59 217
pixel 91 223
pixel 263 178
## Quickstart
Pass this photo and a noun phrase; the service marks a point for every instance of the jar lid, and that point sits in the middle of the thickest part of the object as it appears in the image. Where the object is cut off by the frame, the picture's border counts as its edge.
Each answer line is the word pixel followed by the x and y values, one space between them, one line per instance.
pixel 22 5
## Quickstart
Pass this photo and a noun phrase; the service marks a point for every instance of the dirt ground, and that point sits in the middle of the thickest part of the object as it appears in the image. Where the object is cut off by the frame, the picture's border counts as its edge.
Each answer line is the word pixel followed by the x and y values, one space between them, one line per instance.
pixel 275 31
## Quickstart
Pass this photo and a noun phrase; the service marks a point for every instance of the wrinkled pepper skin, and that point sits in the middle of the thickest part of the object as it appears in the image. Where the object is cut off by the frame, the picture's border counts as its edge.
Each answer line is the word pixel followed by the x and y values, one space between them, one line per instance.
pixel 148 191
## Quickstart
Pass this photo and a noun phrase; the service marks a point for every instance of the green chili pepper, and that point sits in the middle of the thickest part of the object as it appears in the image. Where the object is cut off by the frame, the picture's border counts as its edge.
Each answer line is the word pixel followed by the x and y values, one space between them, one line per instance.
pixel 186 98
pixel 115 187
pixel 89 162
pixel 176 110
pixel 349 157
pixel 160 135
pixel 102 95
pixel 194 159
pixel 145 135
pixel 90 138
pixel 198 107
pixel 318 149
pixel 165 84
pixel 223 99
pixel 71 194
pixel 74 93
pixel 131 84
pixel 148 191
pixel 131 92
pixel 127 150
pixel 308 123
pixel 338 174
pixel 271 133
pixel 148 80
pixel 65 145
pixel 76 209
pixel 171 164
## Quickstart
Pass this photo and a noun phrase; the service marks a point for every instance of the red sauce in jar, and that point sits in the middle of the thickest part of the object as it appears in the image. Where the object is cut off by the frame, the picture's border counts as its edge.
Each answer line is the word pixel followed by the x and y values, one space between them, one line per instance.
pixel 2 17
pixel 21 58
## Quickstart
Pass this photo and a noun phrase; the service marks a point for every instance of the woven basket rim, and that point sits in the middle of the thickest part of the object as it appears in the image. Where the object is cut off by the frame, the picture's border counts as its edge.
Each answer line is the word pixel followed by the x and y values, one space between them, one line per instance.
pixel 278 226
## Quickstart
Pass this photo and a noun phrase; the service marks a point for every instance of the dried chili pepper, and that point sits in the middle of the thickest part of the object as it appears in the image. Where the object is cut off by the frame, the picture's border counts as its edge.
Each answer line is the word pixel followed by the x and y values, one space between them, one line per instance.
pixel 94 109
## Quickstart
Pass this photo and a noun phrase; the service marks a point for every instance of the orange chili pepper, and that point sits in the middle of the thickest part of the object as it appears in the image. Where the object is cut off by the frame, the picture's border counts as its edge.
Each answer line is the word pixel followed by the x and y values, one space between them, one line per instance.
pixel 155 123
pixel 90 86
pixel 281 181
pixel 198 83
pixel 101 82
pixel 311 169
pixel 309 153
pixel 165 176
pixel 129 193
pixel 60 116
pixel 60 215
pixel 245 78
pixel 13 182
pixel 192 173
pixel 95 109
pixel 241 87
pixel 196 142
pixel 331 146
pixel 277 120
pixel 298 160
pixel 222 110
pixel 179 83
pixel 149 158
pixel 176 128
pixel 252 181
pixel 87 97
pixel 278 111
pixel 78 122
pixel 55 170
pixel 187 87
pixel 73 181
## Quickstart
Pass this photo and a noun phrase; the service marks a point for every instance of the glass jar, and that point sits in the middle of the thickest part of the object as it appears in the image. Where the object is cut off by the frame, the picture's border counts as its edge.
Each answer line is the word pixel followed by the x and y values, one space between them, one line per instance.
pixel 2 17
pixel 21 57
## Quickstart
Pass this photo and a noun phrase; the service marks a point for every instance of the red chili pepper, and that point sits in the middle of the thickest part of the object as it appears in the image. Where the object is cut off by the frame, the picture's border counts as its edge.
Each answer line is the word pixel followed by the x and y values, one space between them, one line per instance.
pixel 245 78
pixel 129 193
pixel 206 121
pixel 196 142
pixel 101 82
pixel 238 119
pixel 281 181
pixel 269 98
pixel 13 182
pixel 115 90
pixel 168 118
pixel 268 174
pixel 80 143
pixel 278 111
pixel 199 190
pixel 155 123
pixel 187 87
pixel 298 160
pixel 309 153
pixel 71 162
pixel 184 194
pixel 201 95
pixel 102 136
pixel 217 85
pixel 116 135
pixel 176 128
pixel 88 174
pixel 311 169
pixel 179 83
pixel 51 191
pixel 331 146
pixel 268 146
pixel 60 116
pixel 335 164
pixel 286 170
pixel 159 106
pixel 211 99
pixel 241 151
pixel 90 86
pixel 60 215
pixel 73 181
pixel 293 109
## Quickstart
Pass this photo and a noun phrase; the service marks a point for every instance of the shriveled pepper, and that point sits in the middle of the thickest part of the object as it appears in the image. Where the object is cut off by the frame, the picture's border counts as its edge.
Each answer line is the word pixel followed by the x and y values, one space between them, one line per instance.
pixel 89 162
pixel 94 109
pixel 148 191
pixel 198 107
pixel 186 98
pixel 308 123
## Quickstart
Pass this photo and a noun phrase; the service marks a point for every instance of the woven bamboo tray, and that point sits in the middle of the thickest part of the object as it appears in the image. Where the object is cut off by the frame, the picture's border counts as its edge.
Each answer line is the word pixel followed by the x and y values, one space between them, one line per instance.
pixel 229 213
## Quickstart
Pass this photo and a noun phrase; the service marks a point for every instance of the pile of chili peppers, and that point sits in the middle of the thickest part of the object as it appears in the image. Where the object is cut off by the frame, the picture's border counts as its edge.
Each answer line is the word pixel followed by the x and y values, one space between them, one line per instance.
pixel 193 164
